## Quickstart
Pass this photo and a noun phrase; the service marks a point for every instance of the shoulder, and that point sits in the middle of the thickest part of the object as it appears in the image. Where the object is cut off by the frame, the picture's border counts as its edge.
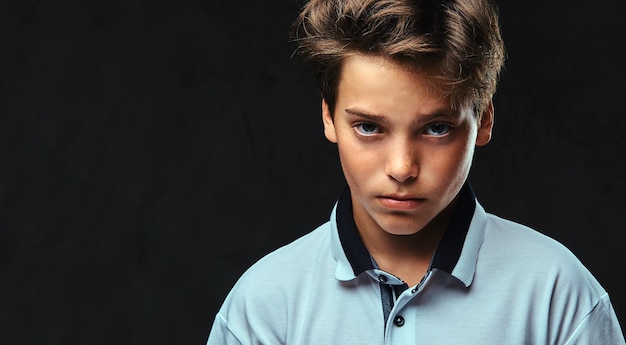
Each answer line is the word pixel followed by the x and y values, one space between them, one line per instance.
pixel 286 265
pixel 287 261
pixel 545 274
pixel 270 287
pixel 258 307
pixel 520 239
pixel 524 250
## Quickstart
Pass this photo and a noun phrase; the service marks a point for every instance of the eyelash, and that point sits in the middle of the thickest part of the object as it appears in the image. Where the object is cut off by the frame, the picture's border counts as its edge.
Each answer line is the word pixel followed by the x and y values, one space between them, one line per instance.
pixel 447 130
pixel 358 127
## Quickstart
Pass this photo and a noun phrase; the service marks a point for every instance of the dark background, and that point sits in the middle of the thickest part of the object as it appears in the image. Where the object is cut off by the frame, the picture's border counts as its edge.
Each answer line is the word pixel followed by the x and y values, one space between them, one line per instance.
pixel 152 151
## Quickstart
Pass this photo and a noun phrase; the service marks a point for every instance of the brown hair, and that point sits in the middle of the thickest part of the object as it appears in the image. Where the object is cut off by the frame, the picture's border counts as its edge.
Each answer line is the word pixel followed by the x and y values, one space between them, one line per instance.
pixel 455 42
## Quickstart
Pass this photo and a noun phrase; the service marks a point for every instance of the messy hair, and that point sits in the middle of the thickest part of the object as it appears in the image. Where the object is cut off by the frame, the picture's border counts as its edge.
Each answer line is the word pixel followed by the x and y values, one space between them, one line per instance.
pixel 456 43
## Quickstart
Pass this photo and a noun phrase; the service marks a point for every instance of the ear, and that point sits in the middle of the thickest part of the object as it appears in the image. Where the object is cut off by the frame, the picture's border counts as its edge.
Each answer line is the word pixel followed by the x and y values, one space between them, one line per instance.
pixel 485 126
pixel 329 125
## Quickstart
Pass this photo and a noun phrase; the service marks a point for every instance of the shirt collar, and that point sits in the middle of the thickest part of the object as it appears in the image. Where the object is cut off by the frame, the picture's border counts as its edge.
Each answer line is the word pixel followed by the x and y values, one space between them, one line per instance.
pixel 446 257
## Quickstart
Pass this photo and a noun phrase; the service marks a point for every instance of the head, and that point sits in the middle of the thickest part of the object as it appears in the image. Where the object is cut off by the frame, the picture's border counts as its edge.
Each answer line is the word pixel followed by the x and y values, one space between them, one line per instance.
pixel 406 95
pixel 455 42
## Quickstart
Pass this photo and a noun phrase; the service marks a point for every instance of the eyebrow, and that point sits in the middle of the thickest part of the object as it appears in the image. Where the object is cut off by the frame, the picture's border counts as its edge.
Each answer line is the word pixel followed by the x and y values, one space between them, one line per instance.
pixel 383 119
pixel 373 117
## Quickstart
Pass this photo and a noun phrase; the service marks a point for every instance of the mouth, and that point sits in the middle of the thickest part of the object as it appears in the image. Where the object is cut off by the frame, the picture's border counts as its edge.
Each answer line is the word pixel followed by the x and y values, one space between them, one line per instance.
pixel 400 202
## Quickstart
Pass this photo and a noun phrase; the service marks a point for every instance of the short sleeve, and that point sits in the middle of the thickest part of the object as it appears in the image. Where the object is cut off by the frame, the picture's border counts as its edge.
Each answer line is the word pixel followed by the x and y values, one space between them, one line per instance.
pixel 220 334
pixel 600 327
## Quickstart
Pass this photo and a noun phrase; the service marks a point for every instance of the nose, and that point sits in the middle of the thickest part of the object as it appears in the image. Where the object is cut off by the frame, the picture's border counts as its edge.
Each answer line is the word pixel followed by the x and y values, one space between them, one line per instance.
pixel 402 163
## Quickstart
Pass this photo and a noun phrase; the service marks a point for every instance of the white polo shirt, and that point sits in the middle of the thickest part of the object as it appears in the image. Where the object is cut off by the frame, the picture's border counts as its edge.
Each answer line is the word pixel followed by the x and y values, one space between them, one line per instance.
pixel 491 281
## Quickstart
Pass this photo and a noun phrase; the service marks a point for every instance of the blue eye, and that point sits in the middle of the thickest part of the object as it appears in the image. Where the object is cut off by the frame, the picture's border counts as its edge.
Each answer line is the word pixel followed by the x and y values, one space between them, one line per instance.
pixel 438 129
pixel 367 128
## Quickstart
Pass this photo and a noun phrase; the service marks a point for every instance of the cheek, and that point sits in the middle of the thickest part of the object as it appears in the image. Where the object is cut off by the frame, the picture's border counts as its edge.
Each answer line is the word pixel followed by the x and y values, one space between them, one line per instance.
pixel 461 165
pixel 357 164
pixel 352 161
pixel 453 161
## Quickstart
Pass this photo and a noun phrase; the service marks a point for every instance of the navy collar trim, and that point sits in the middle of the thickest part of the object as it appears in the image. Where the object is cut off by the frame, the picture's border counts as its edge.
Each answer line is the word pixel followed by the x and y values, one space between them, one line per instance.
pixel 353 246
pixel 447 254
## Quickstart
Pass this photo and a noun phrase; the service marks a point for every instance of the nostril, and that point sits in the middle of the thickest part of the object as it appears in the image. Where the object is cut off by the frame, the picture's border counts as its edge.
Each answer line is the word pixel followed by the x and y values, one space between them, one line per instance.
pixel 403 173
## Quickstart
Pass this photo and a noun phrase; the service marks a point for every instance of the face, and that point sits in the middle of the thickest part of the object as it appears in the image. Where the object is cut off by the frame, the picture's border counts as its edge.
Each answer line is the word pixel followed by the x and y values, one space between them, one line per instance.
pixel 404 151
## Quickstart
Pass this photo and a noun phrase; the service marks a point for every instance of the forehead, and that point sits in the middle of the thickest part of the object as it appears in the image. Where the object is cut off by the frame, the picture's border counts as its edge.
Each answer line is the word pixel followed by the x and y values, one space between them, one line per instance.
pixel 380 84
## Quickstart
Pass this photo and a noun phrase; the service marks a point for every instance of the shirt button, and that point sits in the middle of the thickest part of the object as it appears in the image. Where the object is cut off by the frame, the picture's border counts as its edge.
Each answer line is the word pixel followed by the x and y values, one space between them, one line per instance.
pixel 398 321
pixel 382 278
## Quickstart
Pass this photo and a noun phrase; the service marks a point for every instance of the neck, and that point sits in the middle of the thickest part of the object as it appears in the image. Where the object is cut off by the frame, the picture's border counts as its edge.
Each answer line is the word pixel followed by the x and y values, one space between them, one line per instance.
pixel 407 256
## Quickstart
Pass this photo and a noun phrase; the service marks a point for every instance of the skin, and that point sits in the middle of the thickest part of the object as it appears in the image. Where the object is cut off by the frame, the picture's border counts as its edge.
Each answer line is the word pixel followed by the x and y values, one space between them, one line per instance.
pixel 405 154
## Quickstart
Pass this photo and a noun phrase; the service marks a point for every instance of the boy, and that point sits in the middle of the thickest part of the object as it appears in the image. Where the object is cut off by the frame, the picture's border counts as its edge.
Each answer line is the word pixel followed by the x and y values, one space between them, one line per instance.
pixel 408 255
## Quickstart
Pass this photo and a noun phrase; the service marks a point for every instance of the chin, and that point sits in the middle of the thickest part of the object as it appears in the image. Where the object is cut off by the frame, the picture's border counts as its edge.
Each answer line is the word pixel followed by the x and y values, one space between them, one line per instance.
pixel 403 233
pixel 405 229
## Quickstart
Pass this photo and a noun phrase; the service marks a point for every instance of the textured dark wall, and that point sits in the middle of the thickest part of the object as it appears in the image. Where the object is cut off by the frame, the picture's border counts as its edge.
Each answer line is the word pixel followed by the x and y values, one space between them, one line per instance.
pixel 151 152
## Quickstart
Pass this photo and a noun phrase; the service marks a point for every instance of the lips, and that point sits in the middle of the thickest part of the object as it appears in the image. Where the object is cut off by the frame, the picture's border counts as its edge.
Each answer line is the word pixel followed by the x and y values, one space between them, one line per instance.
pixel 397 202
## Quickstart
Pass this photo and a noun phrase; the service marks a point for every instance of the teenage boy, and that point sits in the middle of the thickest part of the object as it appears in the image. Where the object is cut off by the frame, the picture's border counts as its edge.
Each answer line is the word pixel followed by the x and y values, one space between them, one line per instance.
pixel 409 256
